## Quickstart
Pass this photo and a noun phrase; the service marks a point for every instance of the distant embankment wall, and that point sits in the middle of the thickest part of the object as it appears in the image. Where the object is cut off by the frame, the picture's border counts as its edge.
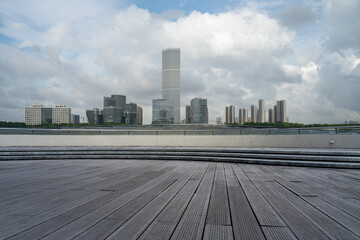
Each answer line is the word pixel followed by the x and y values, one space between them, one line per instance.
pixel 286 141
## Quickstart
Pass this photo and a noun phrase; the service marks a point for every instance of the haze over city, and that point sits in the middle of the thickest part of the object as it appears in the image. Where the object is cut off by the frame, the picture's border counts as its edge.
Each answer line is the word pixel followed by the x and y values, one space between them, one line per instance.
pixel 232 53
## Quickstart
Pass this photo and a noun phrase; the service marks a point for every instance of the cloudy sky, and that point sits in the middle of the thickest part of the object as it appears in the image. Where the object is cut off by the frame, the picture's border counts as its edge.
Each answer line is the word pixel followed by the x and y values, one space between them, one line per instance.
pixel 232 52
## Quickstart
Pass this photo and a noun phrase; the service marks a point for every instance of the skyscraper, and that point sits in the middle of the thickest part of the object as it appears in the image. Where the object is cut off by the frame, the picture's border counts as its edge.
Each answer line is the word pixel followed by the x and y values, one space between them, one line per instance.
pixel 254 112
pixel 230 114
pixel 271 116
pixel 199 111
pixel 171 79
pixel 243 116
pixel 261 113
pixel 280 111
pixel 139 115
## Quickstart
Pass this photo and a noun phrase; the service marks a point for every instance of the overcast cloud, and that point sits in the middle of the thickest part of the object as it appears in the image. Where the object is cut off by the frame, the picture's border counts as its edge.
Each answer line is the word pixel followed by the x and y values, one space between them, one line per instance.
pixel 61 52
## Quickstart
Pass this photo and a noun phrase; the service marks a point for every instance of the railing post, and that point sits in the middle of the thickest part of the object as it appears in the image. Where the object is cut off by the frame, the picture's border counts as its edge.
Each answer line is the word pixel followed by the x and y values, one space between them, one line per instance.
pixel 157 132
pixel 184 132
pixel 212 132
pixel 32 132
pixel 336 131
pixel 299 131
pixel 128 132
pixel 269 131
pixel 240 132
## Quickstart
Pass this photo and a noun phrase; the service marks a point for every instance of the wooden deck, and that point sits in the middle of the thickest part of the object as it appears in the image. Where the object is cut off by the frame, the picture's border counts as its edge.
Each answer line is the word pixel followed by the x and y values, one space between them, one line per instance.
pixel 147 199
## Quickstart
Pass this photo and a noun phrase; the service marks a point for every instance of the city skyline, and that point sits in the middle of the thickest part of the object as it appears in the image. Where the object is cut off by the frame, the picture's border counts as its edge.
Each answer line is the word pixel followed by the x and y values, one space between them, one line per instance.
pixel 294 50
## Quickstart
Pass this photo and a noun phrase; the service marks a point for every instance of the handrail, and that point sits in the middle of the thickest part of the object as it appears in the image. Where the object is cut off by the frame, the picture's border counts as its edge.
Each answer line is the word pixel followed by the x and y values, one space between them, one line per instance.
pixel 220 131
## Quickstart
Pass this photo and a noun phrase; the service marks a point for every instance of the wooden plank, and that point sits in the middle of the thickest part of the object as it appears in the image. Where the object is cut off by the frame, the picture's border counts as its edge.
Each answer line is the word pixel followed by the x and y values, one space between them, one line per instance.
pixel 244 222
pixel 164 224
pixel 218 212
pixel 218 232
pixel 135 226
pixel 299 224
pixel 278 233
pixel 264 212
pixel 192 223
pixel 57 222
pixel 330 227
pixel 339 216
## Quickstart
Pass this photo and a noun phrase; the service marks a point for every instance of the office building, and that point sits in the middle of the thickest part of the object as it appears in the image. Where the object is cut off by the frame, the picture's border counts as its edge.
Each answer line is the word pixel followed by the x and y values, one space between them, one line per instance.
pixel 75 119
pixel 254 112
pixel 61 114
pixel 139 115
pixel 188 114
pixel 271 116
pixel 199 111
pixel 230 114
pixel 94 116
pixel 261 112
pixel 243 116
pixel 113 115
pixel 163 111
pixel 115 101
pixel 33 115
pixel 280 111
pixel 130 113
pixel 46 115
pixel 171 79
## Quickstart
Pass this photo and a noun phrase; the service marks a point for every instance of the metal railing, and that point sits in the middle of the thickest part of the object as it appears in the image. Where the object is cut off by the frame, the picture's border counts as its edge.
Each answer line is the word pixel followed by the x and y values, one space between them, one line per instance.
pixel 220 131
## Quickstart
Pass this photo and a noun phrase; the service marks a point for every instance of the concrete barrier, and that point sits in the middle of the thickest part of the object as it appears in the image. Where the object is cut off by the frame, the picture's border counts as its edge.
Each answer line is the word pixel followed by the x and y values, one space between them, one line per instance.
pixel 276 141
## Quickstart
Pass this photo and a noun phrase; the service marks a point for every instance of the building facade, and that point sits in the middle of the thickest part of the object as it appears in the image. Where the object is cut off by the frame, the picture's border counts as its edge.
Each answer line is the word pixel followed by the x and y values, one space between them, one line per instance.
pixel 254 112
pixel 230 114
pixel 171 79
pixel 243 116
pixel 261 112
pixel 33 115
pixel 271 116
pixel 113 115
pixel 94 116
pixel 163 111
pixel 139 115
pixel 188 114
pixel 61 114
pixel 199 111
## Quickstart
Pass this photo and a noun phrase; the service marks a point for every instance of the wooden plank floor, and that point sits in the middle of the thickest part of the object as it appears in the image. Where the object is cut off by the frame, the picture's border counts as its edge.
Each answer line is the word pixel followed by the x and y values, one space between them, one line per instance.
pixel 145 199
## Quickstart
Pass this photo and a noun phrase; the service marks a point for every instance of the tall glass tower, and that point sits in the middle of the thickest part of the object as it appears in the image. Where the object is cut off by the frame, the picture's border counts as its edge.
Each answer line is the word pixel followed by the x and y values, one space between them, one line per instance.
pixel 171 79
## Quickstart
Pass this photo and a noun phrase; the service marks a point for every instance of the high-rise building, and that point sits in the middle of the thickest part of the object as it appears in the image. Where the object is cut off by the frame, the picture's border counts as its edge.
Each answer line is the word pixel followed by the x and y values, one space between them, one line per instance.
pixel 163 111
pixel 254 112
pixel 171 79
pixel 199 111
pixel 261 112
pixel 115 101
pixel 188 114
pixel 113 115
pixel 280 111
pixel 271 116
pixel 61 114
pixel 94 116
pixel 130 113
pixel 230 114
pixel 33 115
pixel 139 115
pixel 243 116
